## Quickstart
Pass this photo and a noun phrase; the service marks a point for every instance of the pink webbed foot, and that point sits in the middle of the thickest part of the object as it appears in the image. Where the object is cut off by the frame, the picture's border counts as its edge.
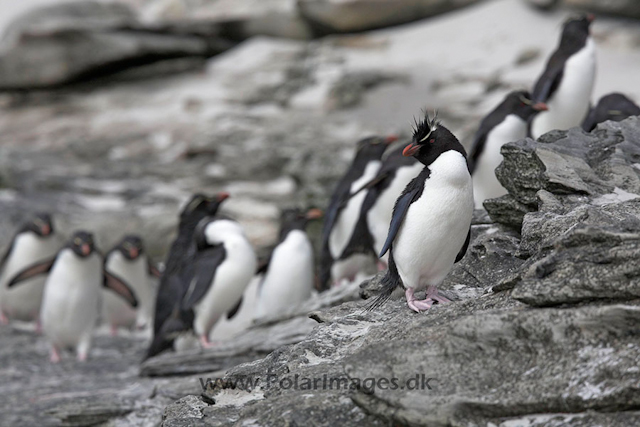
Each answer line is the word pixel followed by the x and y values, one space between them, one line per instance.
pixel 113 330
pixel 382 266
pixel 204 341
pixel 4 320
pixel 416 304
pixel 38 327
pixel 54 356
pixel 432 293
pixel 82 356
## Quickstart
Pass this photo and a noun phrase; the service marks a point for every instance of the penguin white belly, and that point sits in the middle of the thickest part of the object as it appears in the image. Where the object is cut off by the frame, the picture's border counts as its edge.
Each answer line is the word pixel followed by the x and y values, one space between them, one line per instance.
pixel 436 225
pixel 23 302
pixel 485 183
pixel 290 277
pixel 71 299
pixel 379 216
pixel 348 217
pixel 229 282
pixel 570 104
pixel 115 310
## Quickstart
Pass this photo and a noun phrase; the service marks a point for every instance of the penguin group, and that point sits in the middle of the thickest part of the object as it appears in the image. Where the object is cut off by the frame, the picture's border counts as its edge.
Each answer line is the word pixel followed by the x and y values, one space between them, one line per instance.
pixel 403 207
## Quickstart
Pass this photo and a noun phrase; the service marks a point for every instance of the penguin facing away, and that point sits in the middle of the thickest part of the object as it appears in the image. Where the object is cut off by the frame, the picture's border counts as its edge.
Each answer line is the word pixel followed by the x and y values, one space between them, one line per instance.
pixel 169 320
pixel 34 242
pixel 289 273
pixel 508 122
pixel 71 297
pixel 221 269
pixel 128 261
pixel 431 224
pixel 567 81
pixel 342 244
pixel 614 106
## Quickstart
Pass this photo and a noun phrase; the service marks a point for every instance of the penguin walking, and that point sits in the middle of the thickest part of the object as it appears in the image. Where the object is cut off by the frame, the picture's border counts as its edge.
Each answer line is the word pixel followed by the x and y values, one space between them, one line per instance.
pixel 567 81
pixel 431 224
pixel 614 106
pixel 344 245
pixel 71 297
pixel 221 270
pixel 34 242
pixel 169 320
pixel 128 261
pixel 289 273
pixel 508 122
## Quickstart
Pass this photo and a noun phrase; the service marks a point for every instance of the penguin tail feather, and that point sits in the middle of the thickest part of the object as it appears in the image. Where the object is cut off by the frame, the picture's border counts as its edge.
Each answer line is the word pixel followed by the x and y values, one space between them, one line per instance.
pixel 390 282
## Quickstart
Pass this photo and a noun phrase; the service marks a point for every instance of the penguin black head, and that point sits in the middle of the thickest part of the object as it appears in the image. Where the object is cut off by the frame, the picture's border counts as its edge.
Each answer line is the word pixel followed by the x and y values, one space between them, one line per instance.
pixel 82 243
pixel 296 219
pixel 374 146
pixel 520 103
pixel 614 106
pixel 575 32
pixel 131 247
pixel 430 139
pixel 201 206
pixel 41 224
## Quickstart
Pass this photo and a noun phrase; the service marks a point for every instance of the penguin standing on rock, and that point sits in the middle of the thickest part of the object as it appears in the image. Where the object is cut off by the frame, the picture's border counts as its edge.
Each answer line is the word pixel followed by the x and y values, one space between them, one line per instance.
pixel 508 122
pixel 36 241
pixel 614 106
pixel 344 245
pixel 431 224
pixel 128 261
pixel 567 81
pixel 288 275
pixel 72 294
pixel 169 320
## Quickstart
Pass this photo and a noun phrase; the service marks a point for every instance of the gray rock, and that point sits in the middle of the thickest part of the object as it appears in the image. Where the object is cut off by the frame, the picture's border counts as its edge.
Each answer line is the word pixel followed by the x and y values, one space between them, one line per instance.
pixel 358 15
pixel 625 8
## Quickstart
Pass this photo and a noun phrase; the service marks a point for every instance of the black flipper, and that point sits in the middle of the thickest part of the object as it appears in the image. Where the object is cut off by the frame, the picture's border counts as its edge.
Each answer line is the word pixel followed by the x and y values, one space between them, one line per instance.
pixel 411 193
pixel 390 282
pixel 42 267
pixel 120 287
pixel 550 80
pixel 463 250
pixel 205 264
pixel 231 313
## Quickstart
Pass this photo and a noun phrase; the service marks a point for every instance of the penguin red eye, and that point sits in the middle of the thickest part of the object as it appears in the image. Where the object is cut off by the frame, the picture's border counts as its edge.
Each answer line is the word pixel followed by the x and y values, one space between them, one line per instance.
pixel 432 140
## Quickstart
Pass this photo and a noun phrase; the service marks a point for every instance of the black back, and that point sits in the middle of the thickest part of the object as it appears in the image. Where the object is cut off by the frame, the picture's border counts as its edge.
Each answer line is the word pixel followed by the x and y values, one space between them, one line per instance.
pixel 614 106
pixel 575 33
pixel 516 102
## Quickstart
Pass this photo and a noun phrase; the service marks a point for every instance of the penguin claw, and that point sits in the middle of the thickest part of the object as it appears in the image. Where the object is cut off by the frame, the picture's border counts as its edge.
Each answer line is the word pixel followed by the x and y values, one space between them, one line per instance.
pixel 416 304
pixel 432 293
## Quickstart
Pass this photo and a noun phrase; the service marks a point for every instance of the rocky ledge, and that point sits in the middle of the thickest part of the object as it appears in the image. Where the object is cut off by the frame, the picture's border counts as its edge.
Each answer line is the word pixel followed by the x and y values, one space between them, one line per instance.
pixel 544 331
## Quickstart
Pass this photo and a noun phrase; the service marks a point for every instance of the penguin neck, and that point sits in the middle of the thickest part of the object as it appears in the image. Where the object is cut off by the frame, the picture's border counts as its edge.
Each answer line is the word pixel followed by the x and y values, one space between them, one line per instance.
pixel 291 226
pixel 430 157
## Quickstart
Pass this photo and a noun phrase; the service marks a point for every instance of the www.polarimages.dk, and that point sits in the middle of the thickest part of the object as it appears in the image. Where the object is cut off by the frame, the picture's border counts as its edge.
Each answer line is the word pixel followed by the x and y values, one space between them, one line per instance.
pixel 297 382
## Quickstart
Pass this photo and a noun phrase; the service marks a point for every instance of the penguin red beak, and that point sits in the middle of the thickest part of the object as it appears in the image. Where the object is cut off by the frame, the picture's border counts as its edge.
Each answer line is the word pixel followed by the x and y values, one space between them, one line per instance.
pixel 390 139
pixel 222 196
pixel 133 253
pixel 410 149
pixel 86 250
pixel 45 230
pixel 314 214
pixel 540 106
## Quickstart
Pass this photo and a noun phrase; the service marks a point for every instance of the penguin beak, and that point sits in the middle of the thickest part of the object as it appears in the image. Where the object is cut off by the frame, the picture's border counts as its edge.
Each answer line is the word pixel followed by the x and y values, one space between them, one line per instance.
pixel 45 230
pixel 314 214
pixel 390 139
pixel 222 196
pixel 86 250
pixel 133 253
pixel 591 17
pixel 410 149
pixel 540 106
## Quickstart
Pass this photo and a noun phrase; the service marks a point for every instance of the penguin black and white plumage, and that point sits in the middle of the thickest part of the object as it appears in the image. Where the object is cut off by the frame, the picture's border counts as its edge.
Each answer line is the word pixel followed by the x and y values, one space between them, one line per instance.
pixel 128 261
pixel 431 224
pixel 343 244
pixel 614 106
pixel 71 299
pixel 395 174
pixel 221 270
pixel 289 274
pixel 169 320
pixel 34 242
pixel 508 122
pixel 567 81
